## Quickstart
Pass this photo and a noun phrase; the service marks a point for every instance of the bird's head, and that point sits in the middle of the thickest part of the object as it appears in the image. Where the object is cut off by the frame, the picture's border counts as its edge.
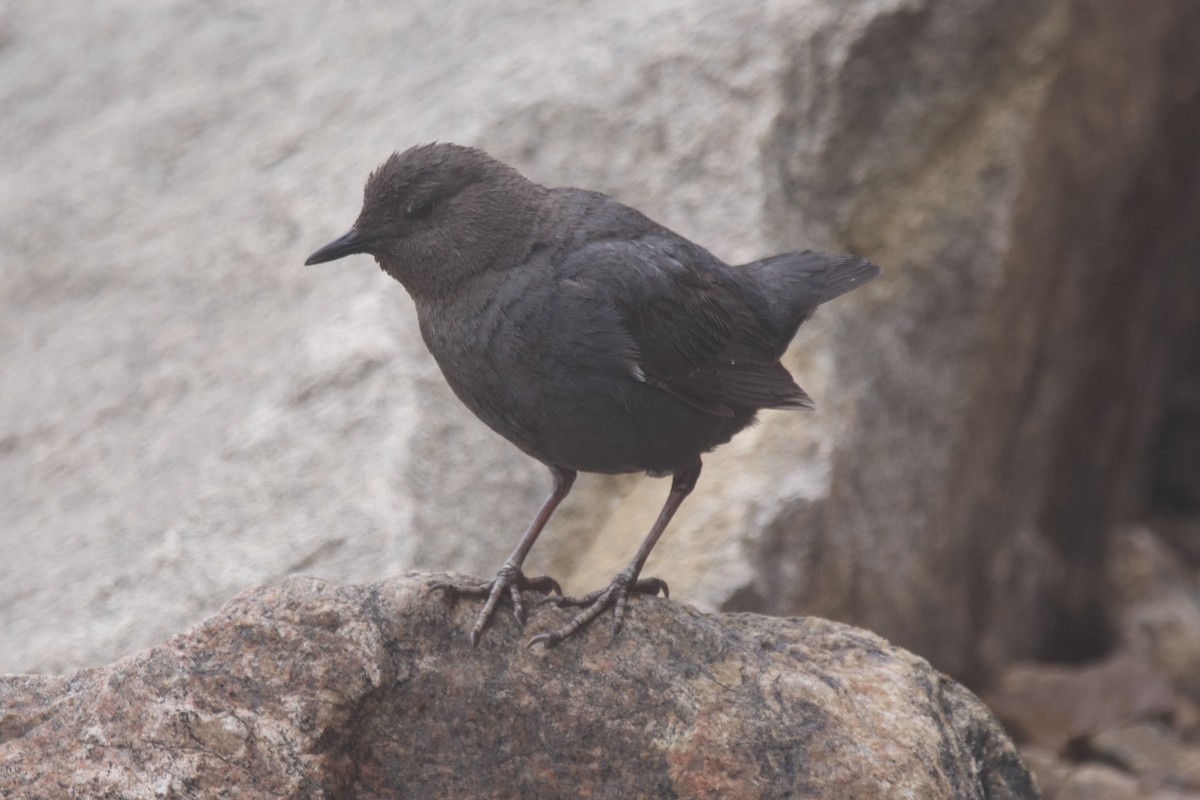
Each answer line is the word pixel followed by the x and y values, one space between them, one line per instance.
pixel 437 214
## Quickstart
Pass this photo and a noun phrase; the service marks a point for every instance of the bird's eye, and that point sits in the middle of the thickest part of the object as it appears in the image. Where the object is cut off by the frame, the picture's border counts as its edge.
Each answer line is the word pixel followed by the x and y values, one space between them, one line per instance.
pixel 419 209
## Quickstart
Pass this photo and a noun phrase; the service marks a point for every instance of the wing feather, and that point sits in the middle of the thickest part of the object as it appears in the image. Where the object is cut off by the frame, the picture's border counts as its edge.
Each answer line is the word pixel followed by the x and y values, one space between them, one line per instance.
pixel 694 329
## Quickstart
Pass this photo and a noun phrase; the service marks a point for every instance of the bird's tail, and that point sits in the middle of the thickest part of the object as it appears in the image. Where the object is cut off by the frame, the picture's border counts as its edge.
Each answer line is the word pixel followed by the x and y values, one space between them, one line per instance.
pixel 794 284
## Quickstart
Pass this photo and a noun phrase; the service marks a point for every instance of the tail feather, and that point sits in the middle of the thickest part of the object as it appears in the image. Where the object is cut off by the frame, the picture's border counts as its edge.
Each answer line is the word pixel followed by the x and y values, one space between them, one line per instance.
pixel 792 285
pixel 846 273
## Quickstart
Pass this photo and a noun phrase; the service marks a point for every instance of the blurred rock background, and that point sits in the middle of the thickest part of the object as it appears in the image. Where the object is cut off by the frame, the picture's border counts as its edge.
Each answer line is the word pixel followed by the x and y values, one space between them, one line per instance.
pixel 1004 466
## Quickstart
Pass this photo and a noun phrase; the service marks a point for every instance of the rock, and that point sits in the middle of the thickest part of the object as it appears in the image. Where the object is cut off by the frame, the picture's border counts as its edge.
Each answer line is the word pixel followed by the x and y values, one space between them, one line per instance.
pixel 1182 533
pixel 1154 601
pixel 308 689
pixel 1060 779
pixel 1099 782
pixel 1051 706
pixel 1153 752
pixel 185 410
pixel 1050 770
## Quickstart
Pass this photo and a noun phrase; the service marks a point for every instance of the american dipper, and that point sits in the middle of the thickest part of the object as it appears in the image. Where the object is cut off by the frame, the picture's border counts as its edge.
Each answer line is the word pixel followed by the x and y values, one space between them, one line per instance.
pixel 589 336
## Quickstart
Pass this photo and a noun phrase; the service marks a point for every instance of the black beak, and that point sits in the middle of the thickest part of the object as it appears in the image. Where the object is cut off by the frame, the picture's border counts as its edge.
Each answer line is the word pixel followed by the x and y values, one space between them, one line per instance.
pixel 345 245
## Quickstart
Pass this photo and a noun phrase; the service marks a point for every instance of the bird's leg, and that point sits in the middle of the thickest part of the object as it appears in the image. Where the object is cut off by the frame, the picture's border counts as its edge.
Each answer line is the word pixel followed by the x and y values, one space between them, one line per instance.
pixel 616 593
pixel 510 580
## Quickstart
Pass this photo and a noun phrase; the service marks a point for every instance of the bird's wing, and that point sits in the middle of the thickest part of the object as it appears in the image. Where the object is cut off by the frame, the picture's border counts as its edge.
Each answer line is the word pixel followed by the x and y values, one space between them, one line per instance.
pixel 692 331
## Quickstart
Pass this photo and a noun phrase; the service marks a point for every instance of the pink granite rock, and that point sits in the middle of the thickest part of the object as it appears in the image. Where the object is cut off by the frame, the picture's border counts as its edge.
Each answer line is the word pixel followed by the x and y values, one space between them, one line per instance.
pixel 308 690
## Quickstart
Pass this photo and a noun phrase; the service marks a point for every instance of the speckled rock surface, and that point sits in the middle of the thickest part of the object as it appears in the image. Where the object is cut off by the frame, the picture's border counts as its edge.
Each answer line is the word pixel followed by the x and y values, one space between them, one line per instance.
pixel 308 689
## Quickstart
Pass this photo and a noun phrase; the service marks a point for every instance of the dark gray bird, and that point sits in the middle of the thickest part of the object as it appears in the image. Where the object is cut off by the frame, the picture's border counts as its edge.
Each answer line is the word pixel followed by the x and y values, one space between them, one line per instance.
pixel 586 334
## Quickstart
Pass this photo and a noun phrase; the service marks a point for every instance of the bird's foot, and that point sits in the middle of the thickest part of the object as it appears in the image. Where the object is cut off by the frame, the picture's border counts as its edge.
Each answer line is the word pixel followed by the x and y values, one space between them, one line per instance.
pixel 509 580
pixel 614 596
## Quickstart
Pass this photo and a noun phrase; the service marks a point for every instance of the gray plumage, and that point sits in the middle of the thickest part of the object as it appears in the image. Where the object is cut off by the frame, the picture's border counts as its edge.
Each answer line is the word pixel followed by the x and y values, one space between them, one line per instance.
pixel 583 332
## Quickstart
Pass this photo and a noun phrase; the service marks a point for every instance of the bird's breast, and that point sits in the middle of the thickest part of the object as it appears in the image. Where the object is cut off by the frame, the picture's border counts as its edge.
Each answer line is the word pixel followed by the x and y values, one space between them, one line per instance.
pixel 492 359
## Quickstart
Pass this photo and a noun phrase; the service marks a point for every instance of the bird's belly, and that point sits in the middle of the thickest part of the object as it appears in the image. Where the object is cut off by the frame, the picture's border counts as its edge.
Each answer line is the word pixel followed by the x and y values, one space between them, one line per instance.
pixel 582 420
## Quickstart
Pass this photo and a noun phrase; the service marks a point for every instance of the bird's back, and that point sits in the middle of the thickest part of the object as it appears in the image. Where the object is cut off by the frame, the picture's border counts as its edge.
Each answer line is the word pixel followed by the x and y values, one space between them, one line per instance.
pixel 707 332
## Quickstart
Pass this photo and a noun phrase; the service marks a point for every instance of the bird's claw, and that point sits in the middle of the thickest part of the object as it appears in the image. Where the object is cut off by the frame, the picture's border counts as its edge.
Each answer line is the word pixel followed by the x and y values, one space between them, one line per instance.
pixel 615 595
pixel 509 580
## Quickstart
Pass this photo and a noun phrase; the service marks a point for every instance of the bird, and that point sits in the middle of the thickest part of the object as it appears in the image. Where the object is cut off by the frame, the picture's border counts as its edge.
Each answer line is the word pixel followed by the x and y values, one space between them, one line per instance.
pixel 589 336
